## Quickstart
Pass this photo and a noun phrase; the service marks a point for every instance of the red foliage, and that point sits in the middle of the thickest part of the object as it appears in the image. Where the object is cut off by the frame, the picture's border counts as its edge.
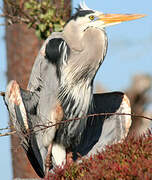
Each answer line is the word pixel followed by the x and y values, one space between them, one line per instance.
pixel 131 159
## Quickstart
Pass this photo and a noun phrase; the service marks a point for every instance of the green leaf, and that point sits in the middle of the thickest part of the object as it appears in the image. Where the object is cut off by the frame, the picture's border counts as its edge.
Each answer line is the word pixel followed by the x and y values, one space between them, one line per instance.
pixel 38 33
pixel 30 25
pixel 50 12
pixel 48 33
pixel 42 27
pixel 27 5
pixel 57 27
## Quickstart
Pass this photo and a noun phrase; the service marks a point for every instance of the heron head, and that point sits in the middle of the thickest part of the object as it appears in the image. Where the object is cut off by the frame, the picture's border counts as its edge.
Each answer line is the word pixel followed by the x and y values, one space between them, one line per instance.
pixel 85 18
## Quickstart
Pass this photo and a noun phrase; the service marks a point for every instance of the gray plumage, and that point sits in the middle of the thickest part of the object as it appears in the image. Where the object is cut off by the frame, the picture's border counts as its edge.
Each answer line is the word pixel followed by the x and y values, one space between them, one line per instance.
pixel 61 88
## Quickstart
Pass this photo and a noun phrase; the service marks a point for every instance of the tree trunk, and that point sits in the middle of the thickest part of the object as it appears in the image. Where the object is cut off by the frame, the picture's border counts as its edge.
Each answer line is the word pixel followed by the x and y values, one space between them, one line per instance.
pixel 22 48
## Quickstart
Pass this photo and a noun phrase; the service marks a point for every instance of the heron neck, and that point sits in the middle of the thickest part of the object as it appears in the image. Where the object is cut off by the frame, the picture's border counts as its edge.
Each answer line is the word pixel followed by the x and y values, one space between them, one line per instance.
pixel 73 36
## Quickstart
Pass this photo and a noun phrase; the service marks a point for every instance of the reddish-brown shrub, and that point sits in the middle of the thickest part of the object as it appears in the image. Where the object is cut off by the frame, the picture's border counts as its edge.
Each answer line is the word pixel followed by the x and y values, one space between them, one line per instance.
pixel 131 159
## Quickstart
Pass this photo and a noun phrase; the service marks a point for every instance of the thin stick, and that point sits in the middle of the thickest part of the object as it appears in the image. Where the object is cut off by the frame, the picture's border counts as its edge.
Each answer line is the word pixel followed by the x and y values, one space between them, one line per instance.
pixel 7 134
pixel 42 127
pixel 2 129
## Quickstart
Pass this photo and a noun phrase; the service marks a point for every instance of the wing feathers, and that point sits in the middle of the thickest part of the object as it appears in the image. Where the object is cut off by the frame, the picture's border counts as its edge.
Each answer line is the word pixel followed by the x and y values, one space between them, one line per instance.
pixel 21 122
pixel 104 130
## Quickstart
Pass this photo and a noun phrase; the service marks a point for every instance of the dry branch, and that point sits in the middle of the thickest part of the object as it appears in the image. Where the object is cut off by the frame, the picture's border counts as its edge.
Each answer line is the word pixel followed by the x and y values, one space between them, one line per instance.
pixel 7 134
pixel 43 127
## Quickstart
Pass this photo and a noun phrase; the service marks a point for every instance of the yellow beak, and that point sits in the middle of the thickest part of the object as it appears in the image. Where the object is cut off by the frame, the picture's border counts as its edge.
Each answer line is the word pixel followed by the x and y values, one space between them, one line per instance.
pixel 118 18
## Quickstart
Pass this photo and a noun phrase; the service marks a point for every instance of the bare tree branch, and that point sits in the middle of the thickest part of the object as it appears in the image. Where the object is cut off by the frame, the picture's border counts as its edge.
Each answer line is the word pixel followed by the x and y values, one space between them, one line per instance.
pixel 2 129
pixel 43 127
pixel 7 134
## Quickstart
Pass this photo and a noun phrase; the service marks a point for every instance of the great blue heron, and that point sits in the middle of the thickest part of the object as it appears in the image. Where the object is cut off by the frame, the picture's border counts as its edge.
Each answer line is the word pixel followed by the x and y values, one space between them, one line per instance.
pixel 61 88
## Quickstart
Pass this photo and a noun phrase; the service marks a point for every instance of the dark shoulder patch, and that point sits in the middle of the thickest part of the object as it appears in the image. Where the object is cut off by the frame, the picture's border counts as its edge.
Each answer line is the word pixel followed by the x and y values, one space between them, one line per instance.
pixel 55 49
pixel 52 51
pixel 57 52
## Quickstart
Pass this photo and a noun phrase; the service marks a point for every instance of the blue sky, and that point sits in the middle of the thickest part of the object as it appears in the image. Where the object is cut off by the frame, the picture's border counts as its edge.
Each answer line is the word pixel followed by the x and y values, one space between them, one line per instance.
pixel 129 53
pixel 5 160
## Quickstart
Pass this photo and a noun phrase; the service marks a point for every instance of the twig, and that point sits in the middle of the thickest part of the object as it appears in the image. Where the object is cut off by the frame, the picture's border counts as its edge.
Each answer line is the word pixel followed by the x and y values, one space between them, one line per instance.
pixel 43 127
pixel 22 16
pixel 99 114
pixel 2 129
pixel 8 133
pixel 2 15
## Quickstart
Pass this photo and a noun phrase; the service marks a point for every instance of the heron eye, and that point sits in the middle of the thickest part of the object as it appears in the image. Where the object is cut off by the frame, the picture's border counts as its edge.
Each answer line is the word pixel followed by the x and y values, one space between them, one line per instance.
pixel 91 17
